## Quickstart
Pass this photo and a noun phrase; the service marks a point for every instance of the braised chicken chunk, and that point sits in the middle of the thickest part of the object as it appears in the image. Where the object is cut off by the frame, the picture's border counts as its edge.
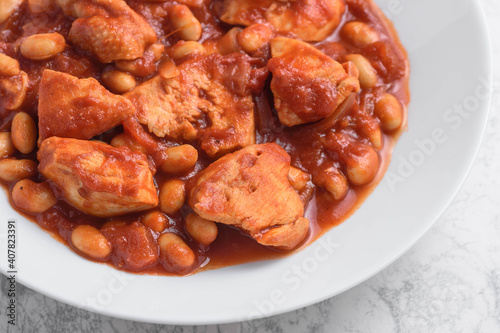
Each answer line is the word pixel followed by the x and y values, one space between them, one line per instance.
pixel 77 108
pixel 96 178
pixel 108 28
pixel 206 99
pixel 160 106
pixel 307 84
pixel 310 20
pixel 249 189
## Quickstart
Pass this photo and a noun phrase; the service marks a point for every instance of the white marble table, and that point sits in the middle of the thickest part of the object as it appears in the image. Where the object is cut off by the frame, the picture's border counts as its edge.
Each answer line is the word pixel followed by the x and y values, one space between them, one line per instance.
pixel 449 282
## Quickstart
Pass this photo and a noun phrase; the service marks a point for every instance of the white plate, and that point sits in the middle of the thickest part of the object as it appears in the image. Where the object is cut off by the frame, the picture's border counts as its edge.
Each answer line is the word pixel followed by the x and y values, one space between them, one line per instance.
pixel 451 64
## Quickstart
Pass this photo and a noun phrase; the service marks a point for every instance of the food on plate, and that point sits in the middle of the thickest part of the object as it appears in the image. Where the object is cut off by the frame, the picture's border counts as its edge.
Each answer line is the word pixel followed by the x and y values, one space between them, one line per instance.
pixel 171 137
pixel 86 107
pixel 97 178
pixel 309 20
pixel 307 84
pixel 249 189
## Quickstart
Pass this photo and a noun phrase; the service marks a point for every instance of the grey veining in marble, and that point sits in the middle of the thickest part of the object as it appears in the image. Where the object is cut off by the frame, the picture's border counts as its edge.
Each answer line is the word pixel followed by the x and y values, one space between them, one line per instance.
pixel 448 282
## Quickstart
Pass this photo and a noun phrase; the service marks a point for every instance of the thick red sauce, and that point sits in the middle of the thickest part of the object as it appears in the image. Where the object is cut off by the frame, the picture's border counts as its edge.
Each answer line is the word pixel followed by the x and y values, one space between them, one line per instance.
pixel 302 142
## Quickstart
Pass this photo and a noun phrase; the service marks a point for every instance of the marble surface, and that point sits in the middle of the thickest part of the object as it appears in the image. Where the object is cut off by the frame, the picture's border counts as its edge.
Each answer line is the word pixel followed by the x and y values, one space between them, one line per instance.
pixel 448 282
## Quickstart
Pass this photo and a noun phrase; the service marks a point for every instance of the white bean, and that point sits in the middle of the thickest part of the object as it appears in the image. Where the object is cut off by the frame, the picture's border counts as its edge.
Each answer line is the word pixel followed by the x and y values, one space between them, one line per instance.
pixel 155 220
pixel 91 242
pixel 32 197
pixel 359 34
pixel 43 46
pixel 123 139
pixel 6 146
pixel 389 111
pixel 118 82
pixel 254 37
pixel 367 76
pixel 184 49
pixel 180 159
pixel 175 254
pixel 200 229
pixel 12 170
pixel 187 25
pixel 362 164
pixel 23 132
pixel 172 196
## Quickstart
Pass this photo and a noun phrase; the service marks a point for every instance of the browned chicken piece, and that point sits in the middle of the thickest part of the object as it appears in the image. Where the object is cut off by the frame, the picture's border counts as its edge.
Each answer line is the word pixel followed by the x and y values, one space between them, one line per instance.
pixel 207 99
pixel 97 178
pixel 77 108
pixel 307 84
pixel 249 189
pixel 108 28
pixel 310 20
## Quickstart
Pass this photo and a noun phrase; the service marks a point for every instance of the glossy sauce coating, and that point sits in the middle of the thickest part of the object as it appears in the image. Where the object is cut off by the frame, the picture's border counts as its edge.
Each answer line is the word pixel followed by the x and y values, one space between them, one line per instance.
pixel 135 245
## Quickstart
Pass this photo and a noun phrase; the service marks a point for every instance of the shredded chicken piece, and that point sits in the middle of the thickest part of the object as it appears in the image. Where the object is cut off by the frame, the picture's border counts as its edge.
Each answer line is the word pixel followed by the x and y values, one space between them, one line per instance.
pixel 249 189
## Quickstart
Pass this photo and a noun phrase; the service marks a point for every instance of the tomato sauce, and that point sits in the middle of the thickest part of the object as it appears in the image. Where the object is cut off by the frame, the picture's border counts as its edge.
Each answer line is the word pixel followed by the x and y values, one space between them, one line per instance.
pixel 302 142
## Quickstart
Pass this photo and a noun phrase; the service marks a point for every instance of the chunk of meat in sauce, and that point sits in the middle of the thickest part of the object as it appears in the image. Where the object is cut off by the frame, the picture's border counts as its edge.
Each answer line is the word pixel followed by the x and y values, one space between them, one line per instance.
pixel 77 108
pixel 133 245
pixel 108 28
pixel 249 189
pixel 96 178
pixel 209 100
pixel 160 106
pixel 307 84
pixel 310 20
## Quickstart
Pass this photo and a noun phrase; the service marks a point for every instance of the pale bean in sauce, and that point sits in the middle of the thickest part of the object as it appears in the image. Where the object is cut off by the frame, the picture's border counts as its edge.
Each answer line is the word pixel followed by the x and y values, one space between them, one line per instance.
pixel 200 229
pixel 23 132
pixel 172 196
pixel 32 197
pixel 6 145
pixel 91 242
pixel 43 46
pixel 12 169
pixel 175 254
